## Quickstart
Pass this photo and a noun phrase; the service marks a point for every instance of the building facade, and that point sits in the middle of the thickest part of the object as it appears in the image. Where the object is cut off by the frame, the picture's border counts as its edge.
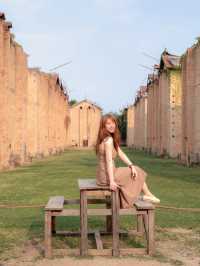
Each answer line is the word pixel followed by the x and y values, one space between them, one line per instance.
pixel 84 124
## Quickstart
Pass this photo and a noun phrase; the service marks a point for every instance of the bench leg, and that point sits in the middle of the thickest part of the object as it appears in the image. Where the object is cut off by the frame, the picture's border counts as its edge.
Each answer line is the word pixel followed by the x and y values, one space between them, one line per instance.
pixel 83 225
pixel 108 217
pixel 140 227
pixel 48 235
pixel 146 226
pixel 145 223
pixel 53 224
pixel 115 223
pixel 151 232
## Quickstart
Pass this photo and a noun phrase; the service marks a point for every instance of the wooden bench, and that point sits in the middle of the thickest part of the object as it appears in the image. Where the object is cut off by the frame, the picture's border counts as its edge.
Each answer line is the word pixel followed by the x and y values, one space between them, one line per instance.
pixel 90 193
pixel 55 208
pixel 142 209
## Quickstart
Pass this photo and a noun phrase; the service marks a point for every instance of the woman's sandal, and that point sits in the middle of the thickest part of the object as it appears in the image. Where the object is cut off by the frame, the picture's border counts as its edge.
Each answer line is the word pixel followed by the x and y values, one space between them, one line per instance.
pixel 151 199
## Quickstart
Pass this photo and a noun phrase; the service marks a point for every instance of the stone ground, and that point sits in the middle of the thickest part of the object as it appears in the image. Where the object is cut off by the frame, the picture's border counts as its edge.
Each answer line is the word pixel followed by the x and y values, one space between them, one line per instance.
pixel 173 247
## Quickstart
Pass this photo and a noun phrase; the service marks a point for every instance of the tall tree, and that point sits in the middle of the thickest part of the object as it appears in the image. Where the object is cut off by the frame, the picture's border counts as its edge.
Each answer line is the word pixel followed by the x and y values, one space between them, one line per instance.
pixel 122 120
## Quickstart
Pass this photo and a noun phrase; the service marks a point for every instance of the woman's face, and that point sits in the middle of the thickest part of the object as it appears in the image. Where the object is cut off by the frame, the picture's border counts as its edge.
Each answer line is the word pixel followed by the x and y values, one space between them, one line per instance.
pixel 110 125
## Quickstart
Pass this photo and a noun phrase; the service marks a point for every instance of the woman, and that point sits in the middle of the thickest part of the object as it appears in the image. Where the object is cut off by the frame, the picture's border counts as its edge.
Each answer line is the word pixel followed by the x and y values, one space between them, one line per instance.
pixel 130 179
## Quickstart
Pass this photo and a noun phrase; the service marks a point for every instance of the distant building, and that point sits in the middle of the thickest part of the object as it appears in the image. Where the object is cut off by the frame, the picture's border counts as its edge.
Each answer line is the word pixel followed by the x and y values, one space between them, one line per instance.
pixel 84 124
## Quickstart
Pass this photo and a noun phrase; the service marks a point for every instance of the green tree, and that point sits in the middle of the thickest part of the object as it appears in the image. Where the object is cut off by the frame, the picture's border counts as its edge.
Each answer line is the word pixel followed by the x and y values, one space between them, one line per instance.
pixel 122 120
pixel 72 102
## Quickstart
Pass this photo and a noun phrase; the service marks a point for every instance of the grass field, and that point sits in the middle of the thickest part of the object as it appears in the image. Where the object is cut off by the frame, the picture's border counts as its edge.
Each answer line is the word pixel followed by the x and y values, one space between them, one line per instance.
pixel 174 184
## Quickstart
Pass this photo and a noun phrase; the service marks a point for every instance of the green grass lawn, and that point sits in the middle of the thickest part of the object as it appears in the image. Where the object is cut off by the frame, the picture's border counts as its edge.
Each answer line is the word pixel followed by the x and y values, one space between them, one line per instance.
pixel 174 184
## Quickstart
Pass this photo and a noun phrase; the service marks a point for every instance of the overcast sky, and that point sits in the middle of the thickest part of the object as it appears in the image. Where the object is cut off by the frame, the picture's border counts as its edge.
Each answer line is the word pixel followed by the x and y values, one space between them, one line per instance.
pixel 104 39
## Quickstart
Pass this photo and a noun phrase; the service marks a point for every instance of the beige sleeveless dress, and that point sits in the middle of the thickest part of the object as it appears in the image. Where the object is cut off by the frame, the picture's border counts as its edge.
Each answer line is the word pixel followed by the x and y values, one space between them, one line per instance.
pixel 129 188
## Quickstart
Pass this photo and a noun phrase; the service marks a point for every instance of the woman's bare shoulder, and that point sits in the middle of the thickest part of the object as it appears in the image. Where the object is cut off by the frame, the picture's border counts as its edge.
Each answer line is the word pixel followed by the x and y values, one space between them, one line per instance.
pixel 108 140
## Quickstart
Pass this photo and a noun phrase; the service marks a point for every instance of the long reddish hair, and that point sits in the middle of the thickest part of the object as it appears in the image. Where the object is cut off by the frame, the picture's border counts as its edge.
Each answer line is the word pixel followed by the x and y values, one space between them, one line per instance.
pixel 103 132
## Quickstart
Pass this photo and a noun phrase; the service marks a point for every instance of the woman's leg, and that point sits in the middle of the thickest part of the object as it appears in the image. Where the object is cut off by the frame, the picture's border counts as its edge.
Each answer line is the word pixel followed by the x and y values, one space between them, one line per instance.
pixel 146 190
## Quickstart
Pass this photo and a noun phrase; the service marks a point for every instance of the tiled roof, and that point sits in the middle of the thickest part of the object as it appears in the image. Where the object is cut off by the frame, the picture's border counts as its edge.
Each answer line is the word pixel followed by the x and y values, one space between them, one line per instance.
pixel 169 61
pixel 2 16
pixel 88 101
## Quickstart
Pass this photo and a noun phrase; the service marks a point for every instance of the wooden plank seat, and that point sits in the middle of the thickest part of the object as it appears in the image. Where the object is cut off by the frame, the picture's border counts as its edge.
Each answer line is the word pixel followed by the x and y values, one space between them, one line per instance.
pixel 91 193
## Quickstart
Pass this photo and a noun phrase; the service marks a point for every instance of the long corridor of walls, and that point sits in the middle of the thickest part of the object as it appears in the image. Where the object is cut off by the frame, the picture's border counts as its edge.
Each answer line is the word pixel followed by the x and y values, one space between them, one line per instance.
pixel 34 106
pixel 173 109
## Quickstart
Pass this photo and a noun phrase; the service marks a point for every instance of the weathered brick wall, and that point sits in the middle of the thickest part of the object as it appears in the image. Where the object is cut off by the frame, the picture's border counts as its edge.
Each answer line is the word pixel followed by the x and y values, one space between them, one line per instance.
pixel 60 116
pixel 191 105
pixel 51 116
pixel 4 138
pixel 140 123
pixel 32 113
pixel 47 111
pixel 175 123
pixel 130 126
pixel 153 117
pixel 43 115
pixel 85 120
pixel 11 142
pixel 164 114
pixel 173 109
pixel 34 107
pixel 164 109
pixel 21 80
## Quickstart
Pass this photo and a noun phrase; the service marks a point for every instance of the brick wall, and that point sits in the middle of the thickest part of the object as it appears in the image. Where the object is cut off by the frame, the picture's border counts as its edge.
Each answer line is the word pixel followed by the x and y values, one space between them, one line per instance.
pixel 140 121
pixel 191 105
pixel 130 126
pixel 158 114
pixel 153 116
pixel 34 106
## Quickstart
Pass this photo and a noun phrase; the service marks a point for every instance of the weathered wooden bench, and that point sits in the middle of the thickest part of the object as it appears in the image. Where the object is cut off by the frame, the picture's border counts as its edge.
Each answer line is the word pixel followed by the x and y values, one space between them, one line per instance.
pixel 90 193
pixel 55 208
pixel 144 211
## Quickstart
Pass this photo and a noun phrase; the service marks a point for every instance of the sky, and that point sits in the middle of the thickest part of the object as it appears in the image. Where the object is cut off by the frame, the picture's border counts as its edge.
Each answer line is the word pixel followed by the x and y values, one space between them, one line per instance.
pixel 106 41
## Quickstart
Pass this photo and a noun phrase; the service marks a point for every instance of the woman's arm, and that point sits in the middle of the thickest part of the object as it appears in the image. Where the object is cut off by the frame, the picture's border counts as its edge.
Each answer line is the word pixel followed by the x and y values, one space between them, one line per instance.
pixel 123 156
pixel 126 160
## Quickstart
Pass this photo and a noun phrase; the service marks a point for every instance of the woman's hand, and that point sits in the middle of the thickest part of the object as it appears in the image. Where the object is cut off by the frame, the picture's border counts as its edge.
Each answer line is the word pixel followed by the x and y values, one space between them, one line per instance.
pixel 113 185
pixel 133 171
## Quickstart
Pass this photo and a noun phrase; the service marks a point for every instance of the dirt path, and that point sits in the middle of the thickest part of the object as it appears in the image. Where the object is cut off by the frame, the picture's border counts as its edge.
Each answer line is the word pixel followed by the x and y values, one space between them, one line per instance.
pixel 173 247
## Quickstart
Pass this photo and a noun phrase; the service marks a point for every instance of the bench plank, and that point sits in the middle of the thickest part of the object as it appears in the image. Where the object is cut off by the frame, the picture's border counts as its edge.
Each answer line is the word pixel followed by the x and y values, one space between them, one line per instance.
pixel 55 203
pixel 101 252
pixel 144 205
pixel 90 184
